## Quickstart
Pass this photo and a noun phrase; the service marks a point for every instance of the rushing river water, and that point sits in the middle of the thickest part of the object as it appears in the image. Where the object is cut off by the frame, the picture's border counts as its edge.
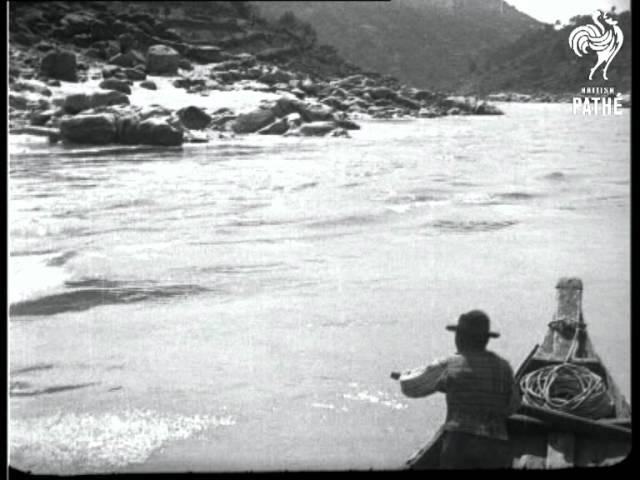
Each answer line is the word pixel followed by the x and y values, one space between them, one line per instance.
pixel 240 305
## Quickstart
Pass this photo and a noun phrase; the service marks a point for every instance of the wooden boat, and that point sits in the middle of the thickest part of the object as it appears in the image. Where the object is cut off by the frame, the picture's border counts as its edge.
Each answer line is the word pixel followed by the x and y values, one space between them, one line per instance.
pixel 545 438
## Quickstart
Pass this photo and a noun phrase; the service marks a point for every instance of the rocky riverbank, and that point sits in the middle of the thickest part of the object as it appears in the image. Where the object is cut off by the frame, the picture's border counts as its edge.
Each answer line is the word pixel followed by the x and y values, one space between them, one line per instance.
pixel 78 72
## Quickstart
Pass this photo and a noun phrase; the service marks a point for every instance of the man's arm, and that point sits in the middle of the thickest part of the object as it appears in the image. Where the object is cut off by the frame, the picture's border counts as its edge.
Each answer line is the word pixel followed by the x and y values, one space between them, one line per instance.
pixel 421 382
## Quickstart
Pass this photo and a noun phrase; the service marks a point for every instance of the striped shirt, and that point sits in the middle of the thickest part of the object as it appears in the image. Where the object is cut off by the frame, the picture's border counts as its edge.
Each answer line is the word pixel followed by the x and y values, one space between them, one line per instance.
pixel 480 389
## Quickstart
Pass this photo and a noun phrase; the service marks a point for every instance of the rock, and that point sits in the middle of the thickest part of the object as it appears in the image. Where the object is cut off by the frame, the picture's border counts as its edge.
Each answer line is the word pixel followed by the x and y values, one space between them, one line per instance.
pixel 97 129
pixel 53 82
pixel 156 131
pixel 294 120
pixel 316 129
pixel 78 102
pixel 347 124
pixel 315 113
pixel 134 74
pixel 185 64
pixel 129 59
pixel 309 87
pixel 60 65
pixel 277 53
pixel 276 128
pixel 149 85
pixel 82 40
pixel 43 46
pixel 221 120
pixel 84 23
pixel 18 102
pixel 27 39
pixel 162 60
pixel 31 86
pixel 335 103
pixel 95 53
pixel 111 50
pixel 381 93
pixel 189 82
pixel 460 103
pixel 127 129
pixel 126 42
pixel 110 71
pixel 276 76
pixel 424 95
pixel 205 53
pixel 407 102
pixel 194 118
pixel 487 109
pixel 253 121
pixel 115 84
pixel 351 81
pixel 40 118
pixel 339 132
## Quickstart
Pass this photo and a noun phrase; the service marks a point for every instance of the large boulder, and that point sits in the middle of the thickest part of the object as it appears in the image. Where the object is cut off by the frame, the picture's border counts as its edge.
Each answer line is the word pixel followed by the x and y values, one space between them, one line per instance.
pixel 77 102
pixel 127 129
pixel 194 118
pixel 253 121
pixel 97 129
pixel 156 131
pixel 162 60
pixel 60 65
pixel 115 84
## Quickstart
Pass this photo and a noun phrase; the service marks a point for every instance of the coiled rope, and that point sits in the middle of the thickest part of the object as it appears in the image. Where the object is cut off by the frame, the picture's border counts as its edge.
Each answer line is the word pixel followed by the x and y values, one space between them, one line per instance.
pixel 567 388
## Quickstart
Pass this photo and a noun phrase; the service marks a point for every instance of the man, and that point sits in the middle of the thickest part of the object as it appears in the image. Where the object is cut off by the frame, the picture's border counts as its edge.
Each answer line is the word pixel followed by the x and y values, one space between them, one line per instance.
pixel 481 394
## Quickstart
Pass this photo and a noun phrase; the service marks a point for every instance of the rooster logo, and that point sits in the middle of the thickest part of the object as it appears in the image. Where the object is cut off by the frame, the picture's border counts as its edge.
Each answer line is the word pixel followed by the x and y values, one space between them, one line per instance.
pixel 606 41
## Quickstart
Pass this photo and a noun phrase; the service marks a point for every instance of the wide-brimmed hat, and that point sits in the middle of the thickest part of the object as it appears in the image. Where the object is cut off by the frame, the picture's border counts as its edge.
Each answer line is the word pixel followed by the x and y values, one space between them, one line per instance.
pixel 475 323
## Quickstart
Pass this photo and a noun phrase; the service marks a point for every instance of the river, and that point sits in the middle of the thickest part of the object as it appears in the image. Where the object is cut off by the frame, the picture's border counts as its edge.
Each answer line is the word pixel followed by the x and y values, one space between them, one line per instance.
pixel 239 305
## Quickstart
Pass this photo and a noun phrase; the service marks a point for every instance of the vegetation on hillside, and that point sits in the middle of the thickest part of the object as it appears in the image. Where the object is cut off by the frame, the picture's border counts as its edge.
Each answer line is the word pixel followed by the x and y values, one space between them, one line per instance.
pixel 542 61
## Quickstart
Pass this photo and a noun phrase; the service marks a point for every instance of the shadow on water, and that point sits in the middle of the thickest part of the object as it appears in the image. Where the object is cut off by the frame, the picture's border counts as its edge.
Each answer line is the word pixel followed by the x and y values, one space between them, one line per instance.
pixel 469 226
pixel 25 389
pixel 90 293
pixel 33 368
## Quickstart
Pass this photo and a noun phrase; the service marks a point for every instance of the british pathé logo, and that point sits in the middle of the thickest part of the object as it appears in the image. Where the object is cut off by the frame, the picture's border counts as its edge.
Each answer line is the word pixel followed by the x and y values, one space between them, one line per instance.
pixel 604 40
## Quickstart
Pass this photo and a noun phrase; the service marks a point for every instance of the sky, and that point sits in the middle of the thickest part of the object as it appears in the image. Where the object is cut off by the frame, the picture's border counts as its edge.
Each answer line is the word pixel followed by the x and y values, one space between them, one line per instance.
pixel 551 10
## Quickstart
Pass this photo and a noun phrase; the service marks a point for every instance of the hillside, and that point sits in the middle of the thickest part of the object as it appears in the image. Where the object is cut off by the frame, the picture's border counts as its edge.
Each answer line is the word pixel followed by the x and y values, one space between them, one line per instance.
pixel 542 61
pixel 427 43
pixel 83 72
